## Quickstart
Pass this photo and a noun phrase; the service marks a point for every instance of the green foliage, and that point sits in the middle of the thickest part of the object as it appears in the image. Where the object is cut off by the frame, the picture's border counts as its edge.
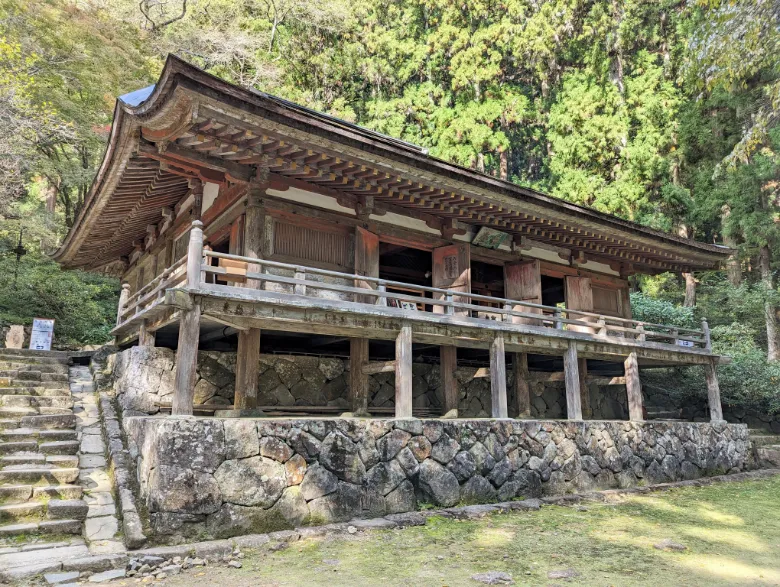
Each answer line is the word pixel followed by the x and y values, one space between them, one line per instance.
pixel 660 311
pixel 83 304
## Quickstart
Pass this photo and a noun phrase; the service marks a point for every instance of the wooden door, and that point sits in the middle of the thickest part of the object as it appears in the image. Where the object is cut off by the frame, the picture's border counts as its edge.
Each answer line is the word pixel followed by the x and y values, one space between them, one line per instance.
pixel 366 261
pixel 452 270
pixel 523 282
pixel 579 296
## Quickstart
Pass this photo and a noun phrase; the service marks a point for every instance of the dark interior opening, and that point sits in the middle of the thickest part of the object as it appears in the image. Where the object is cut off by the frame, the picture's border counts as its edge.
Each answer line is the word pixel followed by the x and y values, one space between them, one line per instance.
pixel 487 280
pixel 400 263
pixel 553 291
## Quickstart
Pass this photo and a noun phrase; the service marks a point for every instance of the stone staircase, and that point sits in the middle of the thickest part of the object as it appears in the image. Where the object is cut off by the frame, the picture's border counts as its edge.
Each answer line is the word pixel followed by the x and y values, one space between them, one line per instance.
pixel 661 413
pixel 40 495
pixel 767 446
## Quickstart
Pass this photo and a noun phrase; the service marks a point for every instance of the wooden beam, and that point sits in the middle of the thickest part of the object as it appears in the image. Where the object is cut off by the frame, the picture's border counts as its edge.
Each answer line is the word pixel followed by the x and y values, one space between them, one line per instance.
pixel 146 337
pixel 448 356
pixel 634 389
pixel 713 391
pixel 247 369
pixel 572 377
pixel 358 378
pixel 379 367
pixel 403 373
pixel 498 378
pixel 186 362
pixel 522 388
pixel 582 367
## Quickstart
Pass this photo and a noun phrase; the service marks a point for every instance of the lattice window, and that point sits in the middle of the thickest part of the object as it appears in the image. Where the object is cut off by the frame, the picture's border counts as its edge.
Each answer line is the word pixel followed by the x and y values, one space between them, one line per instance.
pixel 302 243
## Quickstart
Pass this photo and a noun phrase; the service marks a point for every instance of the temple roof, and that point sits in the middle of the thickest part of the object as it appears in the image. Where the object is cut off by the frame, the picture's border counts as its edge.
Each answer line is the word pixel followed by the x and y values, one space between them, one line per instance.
pixel 192 124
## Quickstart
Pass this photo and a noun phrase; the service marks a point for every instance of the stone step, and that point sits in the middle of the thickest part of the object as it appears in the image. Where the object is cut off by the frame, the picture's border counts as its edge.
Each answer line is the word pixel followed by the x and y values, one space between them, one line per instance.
pixel 765 439
pixel 30 375
pixel 38 476
pixel 7 448
pixel 769 456
pixel 36 401
pixel 49 422
pixel 60 447
pixel 41 435
pixel 6 365
pixel 23 493
pixel 38 391
pixel 35 356
pixel 20 412
pixel 44 527
pixel 18 512
pixel 8 424
pixel 6 383
pixel 34 459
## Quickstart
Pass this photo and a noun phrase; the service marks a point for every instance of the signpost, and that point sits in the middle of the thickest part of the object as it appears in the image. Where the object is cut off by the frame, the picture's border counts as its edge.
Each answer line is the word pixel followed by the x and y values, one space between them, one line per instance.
pixel 42 334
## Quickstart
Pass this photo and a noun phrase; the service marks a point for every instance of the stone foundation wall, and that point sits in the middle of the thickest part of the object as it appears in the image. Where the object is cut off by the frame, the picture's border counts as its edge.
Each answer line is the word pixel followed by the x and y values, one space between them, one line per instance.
pixel 207 477
pixel 144 377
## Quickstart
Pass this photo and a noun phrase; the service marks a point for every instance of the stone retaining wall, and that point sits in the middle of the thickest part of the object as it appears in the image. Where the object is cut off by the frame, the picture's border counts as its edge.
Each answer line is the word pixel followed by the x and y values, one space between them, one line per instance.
pixel 144 377
pixel 207 477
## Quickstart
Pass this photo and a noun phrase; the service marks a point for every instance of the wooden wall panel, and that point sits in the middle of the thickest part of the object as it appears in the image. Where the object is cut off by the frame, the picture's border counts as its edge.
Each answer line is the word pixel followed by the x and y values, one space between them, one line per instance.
pixel 452 270
pixel 579 296
pixel 305 244
pixel 523 282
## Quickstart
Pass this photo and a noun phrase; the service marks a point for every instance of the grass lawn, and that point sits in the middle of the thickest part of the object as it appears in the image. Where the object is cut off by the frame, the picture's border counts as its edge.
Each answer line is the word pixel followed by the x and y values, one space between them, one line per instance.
pixel 731 530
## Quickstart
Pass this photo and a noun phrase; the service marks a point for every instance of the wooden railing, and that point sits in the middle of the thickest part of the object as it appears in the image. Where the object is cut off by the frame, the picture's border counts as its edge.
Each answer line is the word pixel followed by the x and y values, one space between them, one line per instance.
pixel 196 272
pixel 449 303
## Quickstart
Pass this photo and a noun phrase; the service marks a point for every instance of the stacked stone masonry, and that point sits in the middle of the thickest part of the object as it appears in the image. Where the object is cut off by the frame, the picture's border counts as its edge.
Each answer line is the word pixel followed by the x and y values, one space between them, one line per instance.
pixel 207 477
pixel 144 378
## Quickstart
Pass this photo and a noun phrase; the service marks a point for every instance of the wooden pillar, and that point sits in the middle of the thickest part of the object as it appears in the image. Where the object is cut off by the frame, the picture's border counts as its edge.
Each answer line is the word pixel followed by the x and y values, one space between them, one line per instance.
pixel 713 391
pixel 247 369
pixel 403 373
pixel 358 380
pixel 498 378
pixel 195 255
pixel 123 295
pixel 582 368
pixel 572 378
pixel 522 389
pixel 145 336
pixel 254 229
pixel 634 389
pixel 186 361
pixel 366 262
pixel 448 360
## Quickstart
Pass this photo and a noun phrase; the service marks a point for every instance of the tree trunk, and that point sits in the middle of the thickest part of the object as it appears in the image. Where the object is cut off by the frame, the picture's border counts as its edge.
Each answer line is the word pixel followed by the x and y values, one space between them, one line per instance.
pixel 690 290
pixel 765 266
pixel 733 266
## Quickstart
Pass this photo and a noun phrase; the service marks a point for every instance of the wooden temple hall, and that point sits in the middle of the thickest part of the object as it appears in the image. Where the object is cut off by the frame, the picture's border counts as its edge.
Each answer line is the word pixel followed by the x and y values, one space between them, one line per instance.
pixel 245 223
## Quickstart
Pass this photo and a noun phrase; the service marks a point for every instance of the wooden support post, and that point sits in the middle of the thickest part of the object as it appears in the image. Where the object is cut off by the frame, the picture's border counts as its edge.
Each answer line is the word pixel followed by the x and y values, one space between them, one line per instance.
pixel 403 373
pixel 522 388
pixel 358 380
pixel 634 389
pixel 186 361
pixel 448 360
pixel 254 228
pixel 247 369
pixel 123 295
pixel 498 378
pixel 572 378
pixel 195 254
pixel 582 367
pixel 713 391
pixel 145 336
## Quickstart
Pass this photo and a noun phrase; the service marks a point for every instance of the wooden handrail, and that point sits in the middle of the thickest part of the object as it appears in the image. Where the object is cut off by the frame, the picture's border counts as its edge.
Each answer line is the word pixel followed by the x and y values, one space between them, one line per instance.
pixel 446 299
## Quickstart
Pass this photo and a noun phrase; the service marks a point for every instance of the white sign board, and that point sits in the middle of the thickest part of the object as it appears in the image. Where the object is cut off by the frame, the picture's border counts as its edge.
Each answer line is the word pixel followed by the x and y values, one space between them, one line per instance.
pixel 42 334
pixel 687 343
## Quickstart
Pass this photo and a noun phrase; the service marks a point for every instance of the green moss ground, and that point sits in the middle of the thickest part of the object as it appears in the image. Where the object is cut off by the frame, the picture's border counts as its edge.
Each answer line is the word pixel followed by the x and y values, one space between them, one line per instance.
pixel 732 531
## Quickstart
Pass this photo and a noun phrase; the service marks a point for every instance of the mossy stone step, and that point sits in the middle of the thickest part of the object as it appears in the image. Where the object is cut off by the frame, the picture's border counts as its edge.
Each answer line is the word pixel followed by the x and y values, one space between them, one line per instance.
pixel 20 412
pixel 44 527
pixel 41 435
pixel 60 447
pixel 49 422
pixel 769 456
pixel 23 493
pixel 15 365
pixel 38 476
pixel 18 446
pixel 8 424
pixel 16 512
pixel 36 401
pixel 33 459
pixel 34 383
pixel 37 391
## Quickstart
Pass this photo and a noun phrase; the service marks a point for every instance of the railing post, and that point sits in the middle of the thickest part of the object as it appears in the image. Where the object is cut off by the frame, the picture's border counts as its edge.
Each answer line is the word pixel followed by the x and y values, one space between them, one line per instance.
pixel 601 324
pixel 558 323
pixel 706 330
pixel 205 261
pixel 195 254
pixel 449 309
pixel 642 335
pixel 381 300
pixel 675 336
pixel 300 275
pixel 123 295
pixel 507 315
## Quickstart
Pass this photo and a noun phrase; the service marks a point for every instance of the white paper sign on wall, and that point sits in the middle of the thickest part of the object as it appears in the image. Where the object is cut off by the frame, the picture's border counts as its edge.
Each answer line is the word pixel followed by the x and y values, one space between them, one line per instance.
pixel 42 334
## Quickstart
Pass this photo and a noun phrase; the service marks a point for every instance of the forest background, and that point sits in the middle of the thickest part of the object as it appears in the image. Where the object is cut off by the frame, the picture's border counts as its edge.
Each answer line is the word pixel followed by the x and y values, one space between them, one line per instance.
pixel 663 112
